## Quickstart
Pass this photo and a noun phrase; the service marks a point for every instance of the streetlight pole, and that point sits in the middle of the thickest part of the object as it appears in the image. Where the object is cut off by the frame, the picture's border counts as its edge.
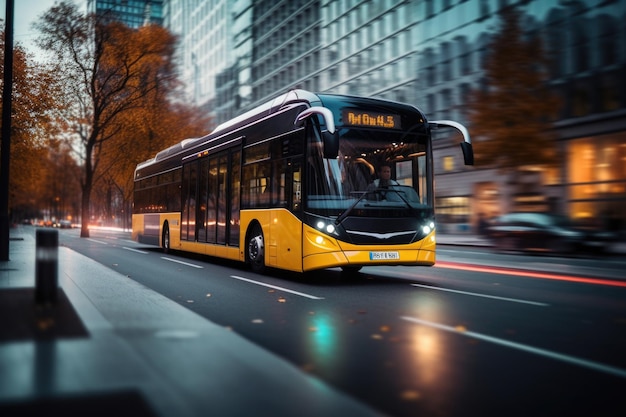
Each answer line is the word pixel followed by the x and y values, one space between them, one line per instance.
pixel 5 150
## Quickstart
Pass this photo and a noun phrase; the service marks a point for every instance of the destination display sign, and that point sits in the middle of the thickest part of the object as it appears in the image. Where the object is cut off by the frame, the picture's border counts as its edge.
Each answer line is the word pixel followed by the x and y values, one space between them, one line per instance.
pixel 362 118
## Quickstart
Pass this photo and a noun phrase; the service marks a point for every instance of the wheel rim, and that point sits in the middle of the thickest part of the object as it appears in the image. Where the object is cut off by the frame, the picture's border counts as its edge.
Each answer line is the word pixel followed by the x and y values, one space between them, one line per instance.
pixel 166 238
pixel 256 250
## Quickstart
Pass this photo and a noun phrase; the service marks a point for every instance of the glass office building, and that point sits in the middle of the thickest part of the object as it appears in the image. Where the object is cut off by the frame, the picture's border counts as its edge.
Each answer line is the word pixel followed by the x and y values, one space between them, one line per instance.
pixel 430 53
pixel 133 13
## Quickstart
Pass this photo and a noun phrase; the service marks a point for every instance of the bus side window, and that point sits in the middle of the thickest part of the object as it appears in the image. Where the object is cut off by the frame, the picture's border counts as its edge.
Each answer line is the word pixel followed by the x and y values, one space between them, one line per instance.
pixel 296 186
pixel 235 190
pixel 256 191
pixel 278 184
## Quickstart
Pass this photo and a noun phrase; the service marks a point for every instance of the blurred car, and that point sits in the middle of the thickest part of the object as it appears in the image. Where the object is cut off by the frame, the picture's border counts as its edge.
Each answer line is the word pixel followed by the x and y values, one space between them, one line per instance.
pixel 65 224
pixel 543 232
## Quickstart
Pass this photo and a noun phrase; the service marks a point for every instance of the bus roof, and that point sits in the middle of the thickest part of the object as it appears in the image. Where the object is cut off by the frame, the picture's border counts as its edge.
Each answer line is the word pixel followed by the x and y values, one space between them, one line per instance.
pixel 332 101
pixel 270 107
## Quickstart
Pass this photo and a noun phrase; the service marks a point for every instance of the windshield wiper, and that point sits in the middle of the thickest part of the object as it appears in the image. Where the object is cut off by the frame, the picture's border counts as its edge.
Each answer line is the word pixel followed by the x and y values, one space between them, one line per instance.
pixel 379 190
pixel 347 211
pixel 413 209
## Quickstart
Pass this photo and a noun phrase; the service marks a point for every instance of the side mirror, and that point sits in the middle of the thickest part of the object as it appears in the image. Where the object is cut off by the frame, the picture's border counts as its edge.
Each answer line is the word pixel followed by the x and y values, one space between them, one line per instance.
pixel 466 145
pixel 468 153
pixel 329 136
pixel 331 145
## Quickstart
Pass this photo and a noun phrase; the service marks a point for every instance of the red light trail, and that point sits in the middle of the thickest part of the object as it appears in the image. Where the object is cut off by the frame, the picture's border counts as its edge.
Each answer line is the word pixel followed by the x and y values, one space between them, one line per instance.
pixel 530 274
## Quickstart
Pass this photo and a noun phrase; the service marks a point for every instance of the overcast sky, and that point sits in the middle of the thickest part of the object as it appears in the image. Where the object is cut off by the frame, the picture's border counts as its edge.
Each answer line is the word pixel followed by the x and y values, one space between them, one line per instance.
pixel 26 12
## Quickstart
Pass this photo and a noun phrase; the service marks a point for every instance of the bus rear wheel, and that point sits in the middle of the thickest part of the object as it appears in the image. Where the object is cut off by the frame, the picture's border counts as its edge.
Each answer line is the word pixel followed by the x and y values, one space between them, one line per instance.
pixel 165 238
pixel 256 249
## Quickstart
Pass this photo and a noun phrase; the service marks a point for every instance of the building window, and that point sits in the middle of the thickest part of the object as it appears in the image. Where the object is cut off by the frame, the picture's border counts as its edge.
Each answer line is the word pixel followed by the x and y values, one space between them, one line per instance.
pixel 596 174
pixel 430 8
pixel 580 50
pixel 484 9
pixel 581 102
pixel 608 42
pixel 446 66
pixel 452 210
pixel 448 163
pixel 609 91
pixel 446 100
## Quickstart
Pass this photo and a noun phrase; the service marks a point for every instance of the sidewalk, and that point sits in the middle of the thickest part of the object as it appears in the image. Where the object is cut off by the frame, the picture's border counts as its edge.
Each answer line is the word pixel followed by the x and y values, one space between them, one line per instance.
pixel 134 352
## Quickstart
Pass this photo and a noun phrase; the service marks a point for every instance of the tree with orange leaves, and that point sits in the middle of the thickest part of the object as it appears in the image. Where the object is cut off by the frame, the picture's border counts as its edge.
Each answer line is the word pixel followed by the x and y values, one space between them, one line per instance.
pixel 145 131
pixel 511 112
pixel 32 132
pixel 107 72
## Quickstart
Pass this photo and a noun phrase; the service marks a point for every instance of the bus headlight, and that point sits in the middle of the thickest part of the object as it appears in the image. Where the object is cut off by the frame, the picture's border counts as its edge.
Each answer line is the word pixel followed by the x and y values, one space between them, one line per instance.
pixel 328 228
pixel 427 228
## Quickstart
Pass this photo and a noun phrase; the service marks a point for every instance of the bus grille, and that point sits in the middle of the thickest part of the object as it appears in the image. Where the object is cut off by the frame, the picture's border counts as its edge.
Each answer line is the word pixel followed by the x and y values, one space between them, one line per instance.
pixel 380 231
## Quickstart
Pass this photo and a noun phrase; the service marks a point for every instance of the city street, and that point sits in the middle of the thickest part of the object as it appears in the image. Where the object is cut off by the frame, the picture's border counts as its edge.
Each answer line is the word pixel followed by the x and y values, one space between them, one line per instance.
pixel 481 333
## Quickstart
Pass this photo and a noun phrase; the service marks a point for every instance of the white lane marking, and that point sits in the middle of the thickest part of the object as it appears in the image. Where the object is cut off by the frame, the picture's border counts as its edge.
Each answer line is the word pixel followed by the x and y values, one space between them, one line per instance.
pixel 301 294
pixel 515 300
pixel 181 262
pixel 97 241
pixel 537 351
pixel 135 250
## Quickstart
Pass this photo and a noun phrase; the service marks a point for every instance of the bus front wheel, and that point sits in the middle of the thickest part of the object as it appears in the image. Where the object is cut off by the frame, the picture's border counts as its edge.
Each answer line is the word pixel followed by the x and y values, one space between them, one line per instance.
pixel 165 239
pixel 256 249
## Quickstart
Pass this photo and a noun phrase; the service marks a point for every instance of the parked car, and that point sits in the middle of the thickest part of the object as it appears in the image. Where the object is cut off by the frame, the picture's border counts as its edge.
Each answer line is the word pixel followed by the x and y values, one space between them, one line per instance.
pixel 543 232
pixel 65 224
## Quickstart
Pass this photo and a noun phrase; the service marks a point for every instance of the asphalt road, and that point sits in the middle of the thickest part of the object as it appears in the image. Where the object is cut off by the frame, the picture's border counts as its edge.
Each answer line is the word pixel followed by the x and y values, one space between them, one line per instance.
pixel 479 334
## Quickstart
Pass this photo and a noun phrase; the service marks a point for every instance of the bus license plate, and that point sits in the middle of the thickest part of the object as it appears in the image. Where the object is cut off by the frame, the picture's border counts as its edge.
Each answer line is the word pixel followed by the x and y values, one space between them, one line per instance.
pixel 381 256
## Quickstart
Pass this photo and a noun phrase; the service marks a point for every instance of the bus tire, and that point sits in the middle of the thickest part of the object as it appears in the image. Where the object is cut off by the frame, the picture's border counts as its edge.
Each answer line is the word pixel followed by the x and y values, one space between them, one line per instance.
pixel 255 249
pixel 165 238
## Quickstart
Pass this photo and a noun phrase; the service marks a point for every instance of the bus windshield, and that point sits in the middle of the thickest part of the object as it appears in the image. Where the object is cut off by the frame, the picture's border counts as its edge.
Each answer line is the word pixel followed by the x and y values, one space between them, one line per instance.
pixel 351 180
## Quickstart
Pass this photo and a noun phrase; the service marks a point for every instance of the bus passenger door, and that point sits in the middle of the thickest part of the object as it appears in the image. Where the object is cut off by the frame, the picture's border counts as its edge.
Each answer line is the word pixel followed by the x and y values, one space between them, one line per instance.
pixel 189 197
pixel 222 209
pixel 201 206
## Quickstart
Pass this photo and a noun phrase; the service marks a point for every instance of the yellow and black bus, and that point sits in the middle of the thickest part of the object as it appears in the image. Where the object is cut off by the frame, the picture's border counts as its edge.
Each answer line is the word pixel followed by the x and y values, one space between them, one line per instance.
pixel 292 185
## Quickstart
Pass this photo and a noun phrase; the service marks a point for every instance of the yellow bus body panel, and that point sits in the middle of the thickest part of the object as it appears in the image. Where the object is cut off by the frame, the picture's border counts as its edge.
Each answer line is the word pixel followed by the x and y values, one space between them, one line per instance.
pixel 155 221
pixel 173 221
pixel 282 232
pixel 290 245
pixel 211 249
pixel 322 251
pixel 137 226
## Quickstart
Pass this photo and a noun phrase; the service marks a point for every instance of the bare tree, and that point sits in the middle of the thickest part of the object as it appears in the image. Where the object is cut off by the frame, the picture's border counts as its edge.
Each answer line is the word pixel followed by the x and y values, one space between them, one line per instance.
pixel 105 69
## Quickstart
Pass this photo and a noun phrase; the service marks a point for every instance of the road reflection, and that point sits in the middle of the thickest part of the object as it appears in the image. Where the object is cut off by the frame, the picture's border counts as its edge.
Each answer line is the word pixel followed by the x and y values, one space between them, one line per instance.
pixel 426 362
pixel 322 342
pixel 428 368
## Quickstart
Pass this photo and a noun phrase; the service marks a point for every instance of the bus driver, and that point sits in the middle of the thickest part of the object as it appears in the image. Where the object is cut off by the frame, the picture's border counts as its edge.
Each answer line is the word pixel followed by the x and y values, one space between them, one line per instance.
pixel 384 178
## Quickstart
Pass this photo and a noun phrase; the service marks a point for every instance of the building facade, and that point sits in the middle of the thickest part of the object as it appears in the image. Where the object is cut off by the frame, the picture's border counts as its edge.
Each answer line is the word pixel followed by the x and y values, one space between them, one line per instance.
pixel 133 13
pixel 205 46
pixel 430 53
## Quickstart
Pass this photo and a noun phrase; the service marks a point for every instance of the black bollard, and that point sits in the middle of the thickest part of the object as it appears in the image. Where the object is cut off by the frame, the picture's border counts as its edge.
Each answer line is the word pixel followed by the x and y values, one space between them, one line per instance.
pixel 46 267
